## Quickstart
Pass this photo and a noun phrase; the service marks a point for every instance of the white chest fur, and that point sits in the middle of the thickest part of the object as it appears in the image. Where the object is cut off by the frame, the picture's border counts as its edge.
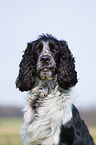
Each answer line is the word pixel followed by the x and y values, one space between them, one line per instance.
pixel 43 127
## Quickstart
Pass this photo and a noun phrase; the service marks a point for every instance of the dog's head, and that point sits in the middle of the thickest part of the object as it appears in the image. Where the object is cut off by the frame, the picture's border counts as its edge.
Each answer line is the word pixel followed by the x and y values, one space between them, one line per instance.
pixel 45 58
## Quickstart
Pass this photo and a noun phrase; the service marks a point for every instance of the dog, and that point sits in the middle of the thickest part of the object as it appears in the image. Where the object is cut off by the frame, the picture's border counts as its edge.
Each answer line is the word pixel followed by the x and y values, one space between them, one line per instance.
pixel 47 71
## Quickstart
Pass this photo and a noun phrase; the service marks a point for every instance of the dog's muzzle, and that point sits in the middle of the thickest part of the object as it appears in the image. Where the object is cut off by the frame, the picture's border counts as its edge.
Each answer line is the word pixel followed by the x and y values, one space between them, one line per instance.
pixel 46 67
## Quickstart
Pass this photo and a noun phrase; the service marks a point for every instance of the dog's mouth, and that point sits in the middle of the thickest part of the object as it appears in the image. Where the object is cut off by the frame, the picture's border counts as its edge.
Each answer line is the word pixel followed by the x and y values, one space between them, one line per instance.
pixel 46 69
pixel 47 73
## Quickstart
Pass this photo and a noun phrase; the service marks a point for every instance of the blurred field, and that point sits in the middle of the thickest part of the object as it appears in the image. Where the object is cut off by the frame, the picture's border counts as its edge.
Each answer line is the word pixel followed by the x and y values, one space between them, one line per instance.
pixel 9 131
pixel 10 127
pixel 93 133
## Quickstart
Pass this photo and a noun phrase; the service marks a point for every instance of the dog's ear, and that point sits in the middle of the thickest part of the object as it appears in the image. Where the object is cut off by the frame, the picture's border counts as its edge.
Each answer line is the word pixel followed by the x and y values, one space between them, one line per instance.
pixel 26 78
pixel 66 74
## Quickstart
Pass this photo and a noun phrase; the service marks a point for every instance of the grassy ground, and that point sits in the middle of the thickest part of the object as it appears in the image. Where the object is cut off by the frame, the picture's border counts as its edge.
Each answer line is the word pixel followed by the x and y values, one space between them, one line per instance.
pixel 93 133
pixel 10 127
pixel 9 131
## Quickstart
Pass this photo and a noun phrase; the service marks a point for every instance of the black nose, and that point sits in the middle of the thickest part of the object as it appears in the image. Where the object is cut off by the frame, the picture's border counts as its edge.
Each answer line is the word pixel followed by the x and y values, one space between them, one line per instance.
pixel 45 59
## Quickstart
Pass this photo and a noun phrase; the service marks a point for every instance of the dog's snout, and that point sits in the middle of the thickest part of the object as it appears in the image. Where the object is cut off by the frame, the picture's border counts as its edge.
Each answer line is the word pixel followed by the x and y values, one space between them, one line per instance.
pixel 45 59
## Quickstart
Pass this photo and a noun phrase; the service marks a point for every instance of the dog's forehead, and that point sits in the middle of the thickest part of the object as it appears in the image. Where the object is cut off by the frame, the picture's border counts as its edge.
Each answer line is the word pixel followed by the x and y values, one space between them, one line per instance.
pixel 45 45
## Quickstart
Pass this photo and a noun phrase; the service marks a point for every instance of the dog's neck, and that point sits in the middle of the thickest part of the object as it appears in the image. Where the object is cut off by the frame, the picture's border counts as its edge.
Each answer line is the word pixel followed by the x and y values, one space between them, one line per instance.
pixel 41 90
pixel 47 85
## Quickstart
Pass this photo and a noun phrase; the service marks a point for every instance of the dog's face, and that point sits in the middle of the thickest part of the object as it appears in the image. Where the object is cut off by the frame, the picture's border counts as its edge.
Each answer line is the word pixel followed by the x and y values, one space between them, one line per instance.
pixel 45 58
pixel 47 55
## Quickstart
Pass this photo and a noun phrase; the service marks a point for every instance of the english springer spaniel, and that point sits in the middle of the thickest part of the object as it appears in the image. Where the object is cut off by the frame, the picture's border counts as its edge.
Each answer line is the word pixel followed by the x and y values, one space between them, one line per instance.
pixel 47 71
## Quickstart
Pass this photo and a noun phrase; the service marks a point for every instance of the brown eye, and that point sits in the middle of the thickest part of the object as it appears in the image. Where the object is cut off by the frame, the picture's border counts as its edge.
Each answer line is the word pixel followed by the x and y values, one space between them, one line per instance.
pixel 39 47
pixel 38 50
pixel 54 50
pixel 52 47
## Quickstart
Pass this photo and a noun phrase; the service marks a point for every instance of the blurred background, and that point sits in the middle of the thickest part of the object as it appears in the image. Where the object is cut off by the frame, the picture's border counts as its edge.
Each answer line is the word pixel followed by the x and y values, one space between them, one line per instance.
pixel 21 22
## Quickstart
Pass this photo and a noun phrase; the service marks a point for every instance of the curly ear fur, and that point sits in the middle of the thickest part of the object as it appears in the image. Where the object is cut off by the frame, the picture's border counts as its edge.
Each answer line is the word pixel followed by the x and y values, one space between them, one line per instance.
pixel 26 78
pixel 66 74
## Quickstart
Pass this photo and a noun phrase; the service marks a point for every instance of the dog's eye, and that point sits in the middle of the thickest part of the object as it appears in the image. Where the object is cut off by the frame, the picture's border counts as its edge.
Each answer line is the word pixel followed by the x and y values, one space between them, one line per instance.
pixel 54 50
pixel 38 50
pixel 39 47
pixel 52 47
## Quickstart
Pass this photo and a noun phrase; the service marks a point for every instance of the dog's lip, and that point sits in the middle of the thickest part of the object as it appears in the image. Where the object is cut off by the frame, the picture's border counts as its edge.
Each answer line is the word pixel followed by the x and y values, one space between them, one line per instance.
pixel 46 69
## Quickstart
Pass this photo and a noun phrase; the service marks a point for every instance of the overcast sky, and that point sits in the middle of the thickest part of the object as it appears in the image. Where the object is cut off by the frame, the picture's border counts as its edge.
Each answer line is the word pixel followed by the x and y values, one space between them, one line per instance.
pixel 23 20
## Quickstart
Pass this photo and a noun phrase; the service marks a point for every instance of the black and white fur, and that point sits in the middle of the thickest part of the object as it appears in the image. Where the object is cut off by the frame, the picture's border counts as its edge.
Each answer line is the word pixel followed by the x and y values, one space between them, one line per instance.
pixel 47 71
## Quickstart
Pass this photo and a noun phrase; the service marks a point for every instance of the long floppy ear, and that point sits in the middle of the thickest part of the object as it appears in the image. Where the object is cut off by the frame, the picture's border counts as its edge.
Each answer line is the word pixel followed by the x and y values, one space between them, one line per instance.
pixel 26 78
pixel 66 74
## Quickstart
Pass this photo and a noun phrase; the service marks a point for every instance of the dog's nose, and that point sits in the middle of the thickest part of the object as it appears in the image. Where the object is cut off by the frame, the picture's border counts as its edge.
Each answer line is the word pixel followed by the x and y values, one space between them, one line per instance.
pixel 45 59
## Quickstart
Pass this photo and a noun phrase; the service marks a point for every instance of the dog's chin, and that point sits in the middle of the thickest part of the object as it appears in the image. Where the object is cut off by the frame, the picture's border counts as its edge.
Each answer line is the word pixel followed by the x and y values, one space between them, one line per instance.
pixel 46 74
